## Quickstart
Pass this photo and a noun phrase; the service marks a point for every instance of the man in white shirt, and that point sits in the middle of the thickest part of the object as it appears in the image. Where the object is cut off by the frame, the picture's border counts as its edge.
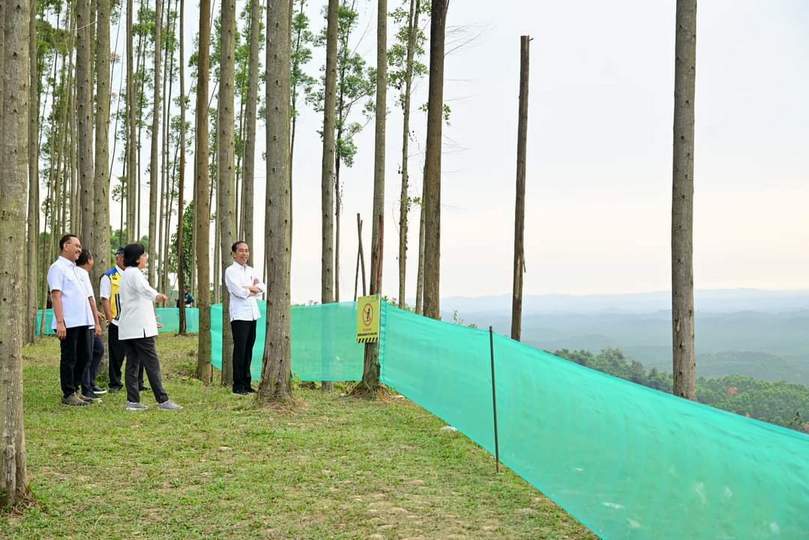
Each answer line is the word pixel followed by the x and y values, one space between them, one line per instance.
pixel 72 318
pixel 244 288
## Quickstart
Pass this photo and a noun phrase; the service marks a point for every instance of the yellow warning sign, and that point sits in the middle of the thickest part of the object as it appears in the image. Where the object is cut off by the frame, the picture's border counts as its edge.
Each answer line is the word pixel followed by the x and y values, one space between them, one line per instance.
pixel 368 319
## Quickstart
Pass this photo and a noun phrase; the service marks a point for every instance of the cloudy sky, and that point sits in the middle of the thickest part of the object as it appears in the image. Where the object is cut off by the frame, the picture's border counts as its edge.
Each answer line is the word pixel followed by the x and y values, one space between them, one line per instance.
pixel 599 165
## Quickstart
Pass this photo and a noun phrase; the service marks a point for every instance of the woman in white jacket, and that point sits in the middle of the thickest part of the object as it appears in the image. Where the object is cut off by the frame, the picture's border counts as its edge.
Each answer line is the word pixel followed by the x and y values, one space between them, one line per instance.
pixel 137 328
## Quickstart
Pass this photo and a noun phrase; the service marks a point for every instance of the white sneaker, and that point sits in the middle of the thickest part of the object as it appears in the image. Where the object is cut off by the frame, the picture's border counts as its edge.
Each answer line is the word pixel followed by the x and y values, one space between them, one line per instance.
pixel 134 406
pixel 169 406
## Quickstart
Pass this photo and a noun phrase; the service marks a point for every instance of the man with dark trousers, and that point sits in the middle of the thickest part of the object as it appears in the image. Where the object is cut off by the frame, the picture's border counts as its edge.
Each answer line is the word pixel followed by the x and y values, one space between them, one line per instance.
pixel 109 291
pixel 72 319
pixel 244 288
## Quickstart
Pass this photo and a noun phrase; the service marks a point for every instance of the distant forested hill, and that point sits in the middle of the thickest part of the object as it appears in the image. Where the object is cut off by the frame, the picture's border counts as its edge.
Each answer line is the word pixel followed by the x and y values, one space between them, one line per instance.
pixel 763 343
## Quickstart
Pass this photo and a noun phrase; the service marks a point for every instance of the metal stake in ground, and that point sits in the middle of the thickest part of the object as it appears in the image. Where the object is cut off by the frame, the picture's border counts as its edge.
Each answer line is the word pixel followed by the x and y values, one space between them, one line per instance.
pixel 494 402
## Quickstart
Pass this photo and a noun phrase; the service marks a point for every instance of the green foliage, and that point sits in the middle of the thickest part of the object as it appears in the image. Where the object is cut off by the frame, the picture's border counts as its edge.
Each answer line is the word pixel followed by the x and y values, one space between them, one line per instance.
pixel 302 41
pixel 397 54
pixel 356 83
pixel 779 403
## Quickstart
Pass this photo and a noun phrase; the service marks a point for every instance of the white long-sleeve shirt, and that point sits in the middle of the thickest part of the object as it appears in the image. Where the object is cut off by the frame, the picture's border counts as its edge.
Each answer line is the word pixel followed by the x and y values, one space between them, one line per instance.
pixel 137 318
pixel 243 304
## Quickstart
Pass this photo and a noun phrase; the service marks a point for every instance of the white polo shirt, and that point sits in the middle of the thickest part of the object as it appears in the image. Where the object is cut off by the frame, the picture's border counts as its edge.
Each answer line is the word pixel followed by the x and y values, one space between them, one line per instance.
pixel 63 276
pixel 137 319
pixel 243 304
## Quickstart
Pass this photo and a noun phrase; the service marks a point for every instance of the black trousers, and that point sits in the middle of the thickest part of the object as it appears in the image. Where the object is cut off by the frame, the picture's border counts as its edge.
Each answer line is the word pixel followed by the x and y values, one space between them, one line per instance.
pixel 117 352
pixel 142 352
pixel 244 337
pixel 91 369
pixel 76 351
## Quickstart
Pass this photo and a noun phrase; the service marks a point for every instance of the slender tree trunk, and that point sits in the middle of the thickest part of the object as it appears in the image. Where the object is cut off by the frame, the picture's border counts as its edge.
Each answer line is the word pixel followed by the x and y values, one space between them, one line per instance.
pixel 141 63
pixel 370 374
pixel 170 171
pixel 131 139
pixel 13 194
pixel 33 176
pixel 328 278
pixel 154 169
pixel 202 204
pixel 682 208
pixel 217 254
pixel 181 264
pixel 248 175
pixel 226 173
pixel 420 269
pixel 276 376
pixel 327 164
pixel 84 92
pixel 2 56
pixel 164 213
pixel 519 205
pixel 432 167
pixel 404 197
pixel 102 179
pixel 171 184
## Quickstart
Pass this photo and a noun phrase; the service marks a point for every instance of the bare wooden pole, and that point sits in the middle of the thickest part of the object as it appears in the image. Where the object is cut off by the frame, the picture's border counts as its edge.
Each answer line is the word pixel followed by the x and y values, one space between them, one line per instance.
pixel 519 205
pixel 682 208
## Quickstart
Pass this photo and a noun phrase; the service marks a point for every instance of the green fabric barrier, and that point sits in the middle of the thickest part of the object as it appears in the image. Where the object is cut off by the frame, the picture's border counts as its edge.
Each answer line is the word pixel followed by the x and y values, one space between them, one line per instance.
pixel 626 460
pixel 324 346
pixel 168 317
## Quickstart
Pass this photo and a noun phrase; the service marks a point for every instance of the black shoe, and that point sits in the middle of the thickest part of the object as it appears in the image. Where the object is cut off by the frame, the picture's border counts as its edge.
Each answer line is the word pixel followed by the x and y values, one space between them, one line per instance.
pixel 250 390
pixel 114 389
pixel 97 390
pixel 241 392
pixel 74 401
pixel 89 397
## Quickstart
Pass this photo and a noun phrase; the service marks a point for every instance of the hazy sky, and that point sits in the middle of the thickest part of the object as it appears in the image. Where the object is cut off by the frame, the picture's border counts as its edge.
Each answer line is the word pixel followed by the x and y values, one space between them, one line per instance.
pixel 599 165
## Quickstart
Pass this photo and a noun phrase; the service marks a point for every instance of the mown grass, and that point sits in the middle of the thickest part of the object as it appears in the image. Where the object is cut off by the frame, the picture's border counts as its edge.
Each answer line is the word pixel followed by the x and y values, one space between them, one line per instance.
pixel 332 467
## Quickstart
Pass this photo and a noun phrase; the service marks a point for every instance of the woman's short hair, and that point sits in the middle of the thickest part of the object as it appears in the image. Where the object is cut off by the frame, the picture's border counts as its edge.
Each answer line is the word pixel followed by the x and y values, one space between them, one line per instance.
pixel 84 257
pixel 132 253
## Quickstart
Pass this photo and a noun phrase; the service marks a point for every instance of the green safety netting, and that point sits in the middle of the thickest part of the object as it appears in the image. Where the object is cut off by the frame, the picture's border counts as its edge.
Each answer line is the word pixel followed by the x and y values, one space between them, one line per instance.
pixel 168 317
pixel 324 347
pixel 626 460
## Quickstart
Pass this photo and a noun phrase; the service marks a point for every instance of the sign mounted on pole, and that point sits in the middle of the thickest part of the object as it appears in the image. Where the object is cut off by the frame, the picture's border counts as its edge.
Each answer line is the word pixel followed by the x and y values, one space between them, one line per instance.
pixel 368 312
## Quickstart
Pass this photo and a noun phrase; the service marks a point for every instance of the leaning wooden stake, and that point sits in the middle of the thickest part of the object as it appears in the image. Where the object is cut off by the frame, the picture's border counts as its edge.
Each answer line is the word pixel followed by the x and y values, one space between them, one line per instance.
pixel 360 260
